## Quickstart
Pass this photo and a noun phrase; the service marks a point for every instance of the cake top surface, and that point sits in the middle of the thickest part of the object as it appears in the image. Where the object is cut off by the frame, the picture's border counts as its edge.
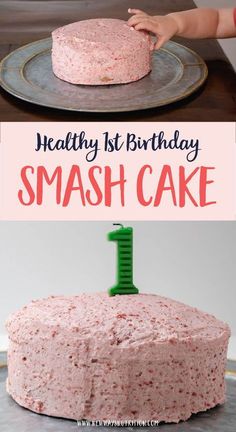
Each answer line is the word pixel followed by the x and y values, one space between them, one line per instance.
pixel 107 31
pixel 126 318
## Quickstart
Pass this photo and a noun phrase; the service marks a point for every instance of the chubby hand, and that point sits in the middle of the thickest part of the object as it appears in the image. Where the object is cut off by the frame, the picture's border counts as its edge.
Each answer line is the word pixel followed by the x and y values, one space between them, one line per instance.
pixel 163 27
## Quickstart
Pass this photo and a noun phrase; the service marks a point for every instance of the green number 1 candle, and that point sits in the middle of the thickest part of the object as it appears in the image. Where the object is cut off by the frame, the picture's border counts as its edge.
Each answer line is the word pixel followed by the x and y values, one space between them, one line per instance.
pixel 124 239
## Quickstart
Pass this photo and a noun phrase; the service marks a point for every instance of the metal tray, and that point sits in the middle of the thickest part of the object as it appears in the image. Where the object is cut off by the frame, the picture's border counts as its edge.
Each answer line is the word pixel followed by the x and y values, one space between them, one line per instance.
pixel 13 418
pixel 27 74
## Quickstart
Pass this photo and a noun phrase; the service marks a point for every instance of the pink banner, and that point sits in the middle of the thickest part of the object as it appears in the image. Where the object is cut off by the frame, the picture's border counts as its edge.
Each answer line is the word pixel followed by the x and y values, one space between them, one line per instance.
pixel 117 171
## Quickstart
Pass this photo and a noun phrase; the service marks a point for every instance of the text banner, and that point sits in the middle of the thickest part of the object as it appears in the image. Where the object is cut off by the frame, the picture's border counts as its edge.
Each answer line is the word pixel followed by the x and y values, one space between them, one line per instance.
pixel 117 171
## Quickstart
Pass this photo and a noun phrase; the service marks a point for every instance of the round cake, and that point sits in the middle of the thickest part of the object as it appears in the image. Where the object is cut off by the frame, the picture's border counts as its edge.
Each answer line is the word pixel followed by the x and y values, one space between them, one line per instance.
pixel 129 357
pixel 100 52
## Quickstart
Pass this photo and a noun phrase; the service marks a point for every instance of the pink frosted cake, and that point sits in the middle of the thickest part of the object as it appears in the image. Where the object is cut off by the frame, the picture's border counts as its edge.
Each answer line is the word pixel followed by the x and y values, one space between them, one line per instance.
pixel 127 357
pixel 100 51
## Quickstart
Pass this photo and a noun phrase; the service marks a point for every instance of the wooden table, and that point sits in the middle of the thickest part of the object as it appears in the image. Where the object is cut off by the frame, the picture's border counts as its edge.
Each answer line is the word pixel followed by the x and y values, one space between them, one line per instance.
pixel 22 22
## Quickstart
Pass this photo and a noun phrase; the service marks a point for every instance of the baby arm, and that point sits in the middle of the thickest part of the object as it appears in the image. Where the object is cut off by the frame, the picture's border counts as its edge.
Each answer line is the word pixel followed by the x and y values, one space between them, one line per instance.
pixel 205 23
pixel 194 24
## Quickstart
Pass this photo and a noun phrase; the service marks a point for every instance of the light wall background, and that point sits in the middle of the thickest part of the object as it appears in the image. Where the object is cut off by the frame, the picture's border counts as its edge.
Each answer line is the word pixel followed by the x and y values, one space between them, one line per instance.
pixel 228 45
pixel 188 261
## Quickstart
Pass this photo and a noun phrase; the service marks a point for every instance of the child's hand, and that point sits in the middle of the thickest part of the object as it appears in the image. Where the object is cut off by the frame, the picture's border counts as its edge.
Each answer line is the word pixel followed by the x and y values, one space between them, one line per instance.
pixel 163 27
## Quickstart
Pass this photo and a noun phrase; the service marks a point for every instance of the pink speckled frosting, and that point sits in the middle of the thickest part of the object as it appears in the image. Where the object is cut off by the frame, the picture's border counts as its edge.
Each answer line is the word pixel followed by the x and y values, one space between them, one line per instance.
pixel 99 52
pixel 140 357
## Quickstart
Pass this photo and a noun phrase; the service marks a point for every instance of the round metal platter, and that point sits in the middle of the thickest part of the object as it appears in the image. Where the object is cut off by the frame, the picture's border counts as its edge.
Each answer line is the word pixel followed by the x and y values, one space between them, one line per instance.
pixel 27 74
pixel 13 418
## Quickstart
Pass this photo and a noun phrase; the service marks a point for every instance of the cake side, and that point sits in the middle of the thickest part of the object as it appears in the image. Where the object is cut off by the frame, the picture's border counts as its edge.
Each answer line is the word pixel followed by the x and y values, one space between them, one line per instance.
pixel 99 52
pixel 127 357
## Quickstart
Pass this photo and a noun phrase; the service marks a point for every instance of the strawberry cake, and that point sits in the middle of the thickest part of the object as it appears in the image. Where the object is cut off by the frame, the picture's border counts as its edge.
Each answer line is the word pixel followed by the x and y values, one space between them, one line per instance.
pixel 100 52
pixel 128 357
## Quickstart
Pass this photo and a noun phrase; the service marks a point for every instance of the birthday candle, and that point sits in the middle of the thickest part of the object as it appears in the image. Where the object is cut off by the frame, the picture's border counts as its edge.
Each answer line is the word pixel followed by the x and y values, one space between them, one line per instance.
pixel 124 238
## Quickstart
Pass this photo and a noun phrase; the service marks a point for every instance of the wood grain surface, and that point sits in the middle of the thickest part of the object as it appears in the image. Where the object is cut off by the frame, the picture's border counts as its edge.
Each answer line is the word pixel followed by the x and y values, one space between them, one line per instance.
pixel 22 22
